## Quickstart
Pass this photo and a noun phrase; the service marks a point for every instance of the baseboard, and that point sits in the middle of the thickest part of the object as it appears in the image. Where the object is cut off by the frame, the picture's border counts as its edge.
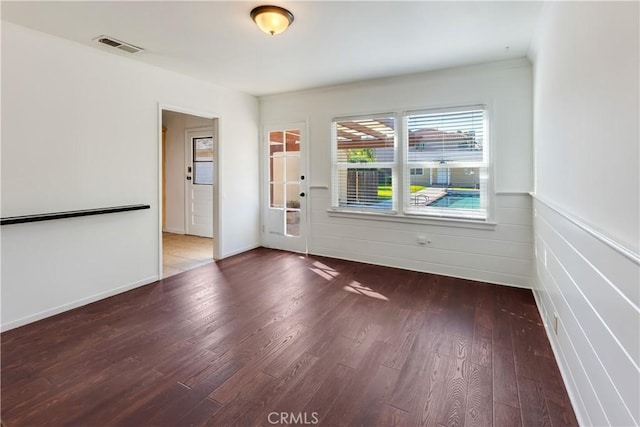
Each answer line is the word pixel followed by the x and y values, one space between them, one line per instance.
pixel 382 264
pixel 558 356
pixel 174 231
pixel 239 251
pixel 75 304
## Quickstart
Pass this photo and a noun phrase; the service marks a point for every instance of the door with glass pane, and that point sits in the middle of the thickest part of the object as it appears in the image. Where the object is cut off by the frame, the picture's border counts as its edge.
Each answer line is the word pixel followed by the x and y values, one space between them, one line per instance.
pixel 285 188
pixel 200 182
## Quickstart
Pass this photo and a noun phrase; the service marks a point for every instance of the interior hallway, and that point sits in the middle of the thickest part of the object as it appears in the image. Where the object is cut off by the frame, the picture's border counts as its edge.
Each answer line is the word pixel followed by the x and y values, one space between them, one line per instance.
pixel 181 252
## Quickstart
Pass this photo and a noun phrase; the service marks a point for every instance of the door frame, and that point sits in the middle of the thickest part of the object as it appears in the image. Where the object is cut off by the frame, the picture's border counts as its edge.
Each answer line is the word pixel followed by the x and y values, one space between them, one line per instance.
pixel 187 156
pixel 264 162
pixel 217 241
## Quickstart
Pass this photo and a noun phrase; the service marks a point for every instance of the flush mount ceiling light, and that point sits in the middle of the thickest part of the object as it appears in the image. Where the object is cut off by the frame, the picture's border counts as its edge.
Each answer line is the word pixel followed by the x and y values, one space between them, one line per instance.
pixel 272 19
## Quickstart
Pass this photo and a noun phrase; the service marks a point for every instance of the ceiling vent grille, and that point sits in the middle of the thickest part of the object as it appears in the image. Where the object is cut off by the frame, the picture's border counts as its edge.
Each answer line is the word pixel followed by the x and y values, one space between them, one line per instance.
pixel 117 44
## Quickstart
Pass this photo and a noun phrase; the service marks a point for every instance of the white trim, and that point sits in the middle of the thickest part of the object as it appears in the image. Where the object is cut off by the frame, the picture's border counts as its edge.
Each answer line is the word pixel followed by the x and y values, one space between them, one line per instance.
pixel 217 193
pixel 559 356
pixel 373 116
pixel 174 231
pixel 461 108
pixel 377 262
pixel 307 175
pixel 189 111
pixel 618 247
pixel 217 199
pixel 512 193
pixel 414 219
pixel 75 304
pixel 239 251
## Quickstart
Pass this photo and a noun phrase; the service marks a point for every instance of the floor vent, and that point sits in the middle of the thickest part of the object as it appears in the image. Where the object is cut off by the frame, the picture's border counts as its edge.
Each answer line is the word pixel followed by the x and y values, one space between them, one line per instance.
pixel 117 44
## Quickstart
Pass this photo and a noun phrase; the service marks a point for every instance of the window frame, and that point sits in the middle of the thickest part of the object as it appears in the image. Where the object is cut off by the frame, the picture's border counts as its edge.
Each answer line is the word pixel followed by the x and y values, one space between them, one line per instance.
pixel 336 165
pixel 485 194
pixel 197 162
pixel 401 174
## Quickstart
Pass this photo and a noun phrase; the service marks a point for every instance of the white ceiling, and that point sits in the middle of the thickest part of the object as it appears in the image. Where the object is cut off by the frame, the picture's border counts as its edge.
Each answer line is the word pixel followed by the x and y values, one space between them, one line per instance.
pixel 329 42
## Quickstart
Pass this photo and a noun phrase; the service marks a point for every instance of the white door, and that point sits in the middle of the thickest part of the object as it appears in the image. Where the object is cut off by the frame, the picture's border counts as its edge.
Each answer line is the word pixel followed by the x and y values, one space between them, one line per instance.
pixel 443 176
pixel 200 181
pixel 285 188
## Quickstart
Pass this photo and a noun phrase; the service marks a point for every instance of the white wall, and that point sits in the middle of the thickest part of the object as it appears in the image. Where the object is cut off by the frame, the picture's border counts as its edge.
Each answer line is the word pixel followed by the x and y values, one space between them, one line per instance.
pixel 500 255
pixel 176 124
pixel 586 114
pixel 80 130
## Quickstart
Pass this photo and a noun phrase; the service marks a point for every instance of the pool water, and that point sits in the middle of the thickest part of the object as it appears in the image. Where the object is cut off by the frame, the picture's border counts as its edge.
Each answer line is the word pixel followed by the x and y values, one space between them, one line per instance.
pixel 458 201
pixel 453 199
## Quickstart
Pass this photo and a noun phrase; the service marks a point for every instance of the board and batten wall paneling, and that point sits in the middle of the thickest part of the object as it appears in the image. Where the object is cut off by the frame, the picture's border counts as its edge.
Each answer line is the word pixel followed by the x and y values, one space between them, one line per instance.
pixel 586 59
pixel 503 254
pixel 595 299
pixel 500 255
pixel 80 129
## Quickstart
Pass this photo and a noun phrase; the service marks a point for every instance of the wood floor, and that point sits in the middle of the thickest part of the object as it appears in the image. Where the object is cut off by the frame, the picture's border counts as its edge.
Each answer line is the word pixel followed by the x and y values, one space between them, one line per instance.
pixel 182 252
pixel 270 336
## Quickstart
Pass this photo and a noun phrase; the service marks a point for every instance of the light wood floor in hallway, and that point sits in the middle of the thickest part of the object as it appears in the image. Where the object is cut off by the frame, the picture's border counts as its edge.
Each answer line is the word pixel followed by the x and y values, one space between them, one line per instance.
pixel 181 252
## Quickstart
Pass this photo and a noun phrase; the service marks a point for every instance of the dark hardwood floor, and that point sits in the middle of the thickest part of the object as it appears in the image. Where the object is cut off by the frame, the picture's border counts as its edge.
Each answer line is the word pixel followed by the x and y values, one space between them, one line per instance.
pixel 270 336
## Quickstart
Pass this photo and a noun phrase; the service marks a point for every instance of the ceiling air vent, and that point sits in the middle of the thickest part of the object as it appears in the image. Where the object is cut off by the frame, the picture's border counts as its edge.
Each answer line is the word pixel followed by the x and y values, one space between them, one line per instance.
pixel 117 44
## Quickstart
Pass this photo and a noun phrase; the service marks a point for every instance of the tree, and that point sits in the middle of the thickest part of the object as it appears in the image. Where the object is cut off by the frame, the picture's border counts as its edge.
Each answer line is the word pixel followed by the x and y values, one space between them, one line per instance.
pixel 360 155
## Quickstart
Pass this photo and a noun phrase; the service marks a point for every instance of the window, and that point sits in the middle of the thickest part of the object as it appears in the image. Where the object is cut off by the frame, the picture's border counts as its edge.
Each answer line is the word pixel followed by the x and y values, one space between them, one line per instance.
pixel 203 160
pixel 442 168
pixel 449 147
pixel 364 164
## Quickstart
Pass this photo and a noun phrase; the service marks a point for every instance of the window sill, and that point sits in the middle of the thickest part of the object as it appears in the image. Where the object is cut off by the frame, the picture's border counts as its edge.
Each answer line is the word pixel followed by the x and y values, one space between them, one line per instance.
pixel 413 219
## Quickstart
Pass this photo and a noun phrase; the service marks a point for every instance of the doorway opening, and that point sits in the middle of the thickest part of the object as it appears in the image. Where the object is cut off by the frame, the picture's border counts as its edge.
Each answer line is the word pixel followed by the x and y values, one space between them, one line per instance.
pixel 189 182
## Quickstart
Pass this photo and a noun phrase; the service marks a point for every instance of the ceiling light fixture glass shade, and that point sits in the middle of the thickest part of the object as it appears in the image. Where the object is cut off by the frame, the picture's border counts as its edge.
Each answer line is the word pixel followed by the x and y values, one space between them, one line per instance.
pixel 272 19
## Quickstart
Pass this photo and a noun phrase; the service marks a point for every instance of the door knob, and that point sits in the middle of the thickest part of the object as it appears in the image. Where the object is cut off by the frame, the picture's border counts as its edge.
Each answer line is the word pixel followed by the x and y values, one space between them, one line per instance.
pixel 301 194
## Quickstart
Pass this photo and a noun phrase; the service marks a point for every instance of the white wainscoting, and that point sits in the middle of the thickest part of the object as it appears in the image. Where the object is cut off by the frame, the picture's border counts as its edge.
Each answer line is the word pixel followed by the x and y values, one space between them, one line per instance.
pixel 592 284
pixel 502 255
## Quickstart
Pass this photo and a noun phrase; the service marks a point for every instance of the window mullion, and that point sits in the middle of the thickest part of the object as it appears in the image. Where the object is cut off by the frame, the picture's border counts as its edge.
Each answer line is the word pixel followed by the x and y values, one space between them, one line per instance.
pixel 399 170
pixel 447 150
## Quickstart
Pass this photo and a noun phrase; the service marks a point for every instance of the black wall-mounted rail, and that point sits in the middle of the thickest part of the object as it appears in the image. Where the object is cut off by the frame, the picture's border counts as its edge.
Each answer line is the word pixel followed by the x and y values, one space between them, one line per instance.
pixel 69 214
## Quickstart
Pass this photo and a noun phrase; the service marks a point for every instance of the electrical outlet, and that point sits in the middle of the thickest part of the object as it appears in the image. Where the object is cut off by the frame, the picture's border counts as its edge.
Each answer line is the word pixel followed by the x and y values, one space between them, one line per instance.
pixel 544 258
pixel 555 323
pixel 423 240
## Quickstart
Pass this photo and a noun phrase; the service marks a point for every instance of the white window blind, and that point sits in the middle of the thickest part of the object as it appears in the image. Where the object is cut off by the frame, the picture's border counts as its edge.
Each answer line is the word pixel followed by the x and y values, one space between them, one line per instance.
pixel 450 146
pixel 364 163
